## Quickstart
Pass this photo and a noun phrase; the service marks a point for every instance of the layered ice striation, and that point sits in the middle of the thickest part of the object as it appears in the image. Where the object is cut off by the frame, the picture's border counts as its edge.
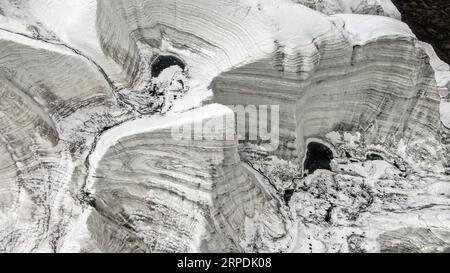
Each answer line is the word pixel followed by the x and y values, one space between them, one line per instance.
pixel 93 91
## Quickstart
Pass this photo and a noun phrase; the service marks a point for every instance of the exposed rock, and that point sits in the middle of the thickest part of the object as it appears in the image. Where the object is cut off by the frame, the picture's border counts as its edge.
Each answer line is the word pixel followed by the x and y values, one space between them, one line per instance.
pixel 429 21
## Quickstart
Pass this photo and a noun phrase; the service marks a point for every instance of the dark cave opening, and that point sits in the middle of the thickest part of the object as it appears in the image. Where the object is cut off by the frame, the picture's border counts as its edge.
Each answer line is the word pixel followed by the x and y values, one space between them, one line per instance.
pixel 373 157
pixel 164 61
pixel 318 156
pixel 288 195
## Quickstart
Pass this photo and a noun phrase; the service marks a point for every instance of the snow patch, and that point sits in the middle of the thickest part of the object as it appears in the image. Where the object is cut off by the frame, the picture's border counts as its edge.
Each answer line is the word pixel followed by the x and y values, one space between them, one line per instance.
pixel 365 28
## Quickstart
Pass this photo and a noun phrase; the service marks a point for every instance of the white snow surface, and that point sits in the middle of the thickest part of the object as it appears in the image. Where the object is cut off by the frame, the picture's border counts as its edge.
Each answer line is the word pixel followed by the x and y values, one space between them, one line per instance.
pixel 149 124
pixel 365 28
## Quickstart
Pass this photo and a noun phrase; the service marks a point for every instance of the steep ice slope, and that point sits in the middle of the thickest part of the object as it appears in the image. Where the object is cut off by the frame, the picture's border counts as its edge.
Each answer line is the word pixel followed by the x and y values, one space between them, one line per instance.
pixel 150 192
pixel 92 90
pixel 70 23
pixel 42 87
pixel 355 84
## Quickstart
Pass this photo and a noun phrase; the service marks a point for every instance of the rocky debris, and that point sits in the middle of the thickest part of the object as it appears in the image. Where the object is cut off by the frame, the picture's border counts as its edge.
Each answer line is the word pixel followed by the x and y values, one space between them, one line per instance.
pixel 92 158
